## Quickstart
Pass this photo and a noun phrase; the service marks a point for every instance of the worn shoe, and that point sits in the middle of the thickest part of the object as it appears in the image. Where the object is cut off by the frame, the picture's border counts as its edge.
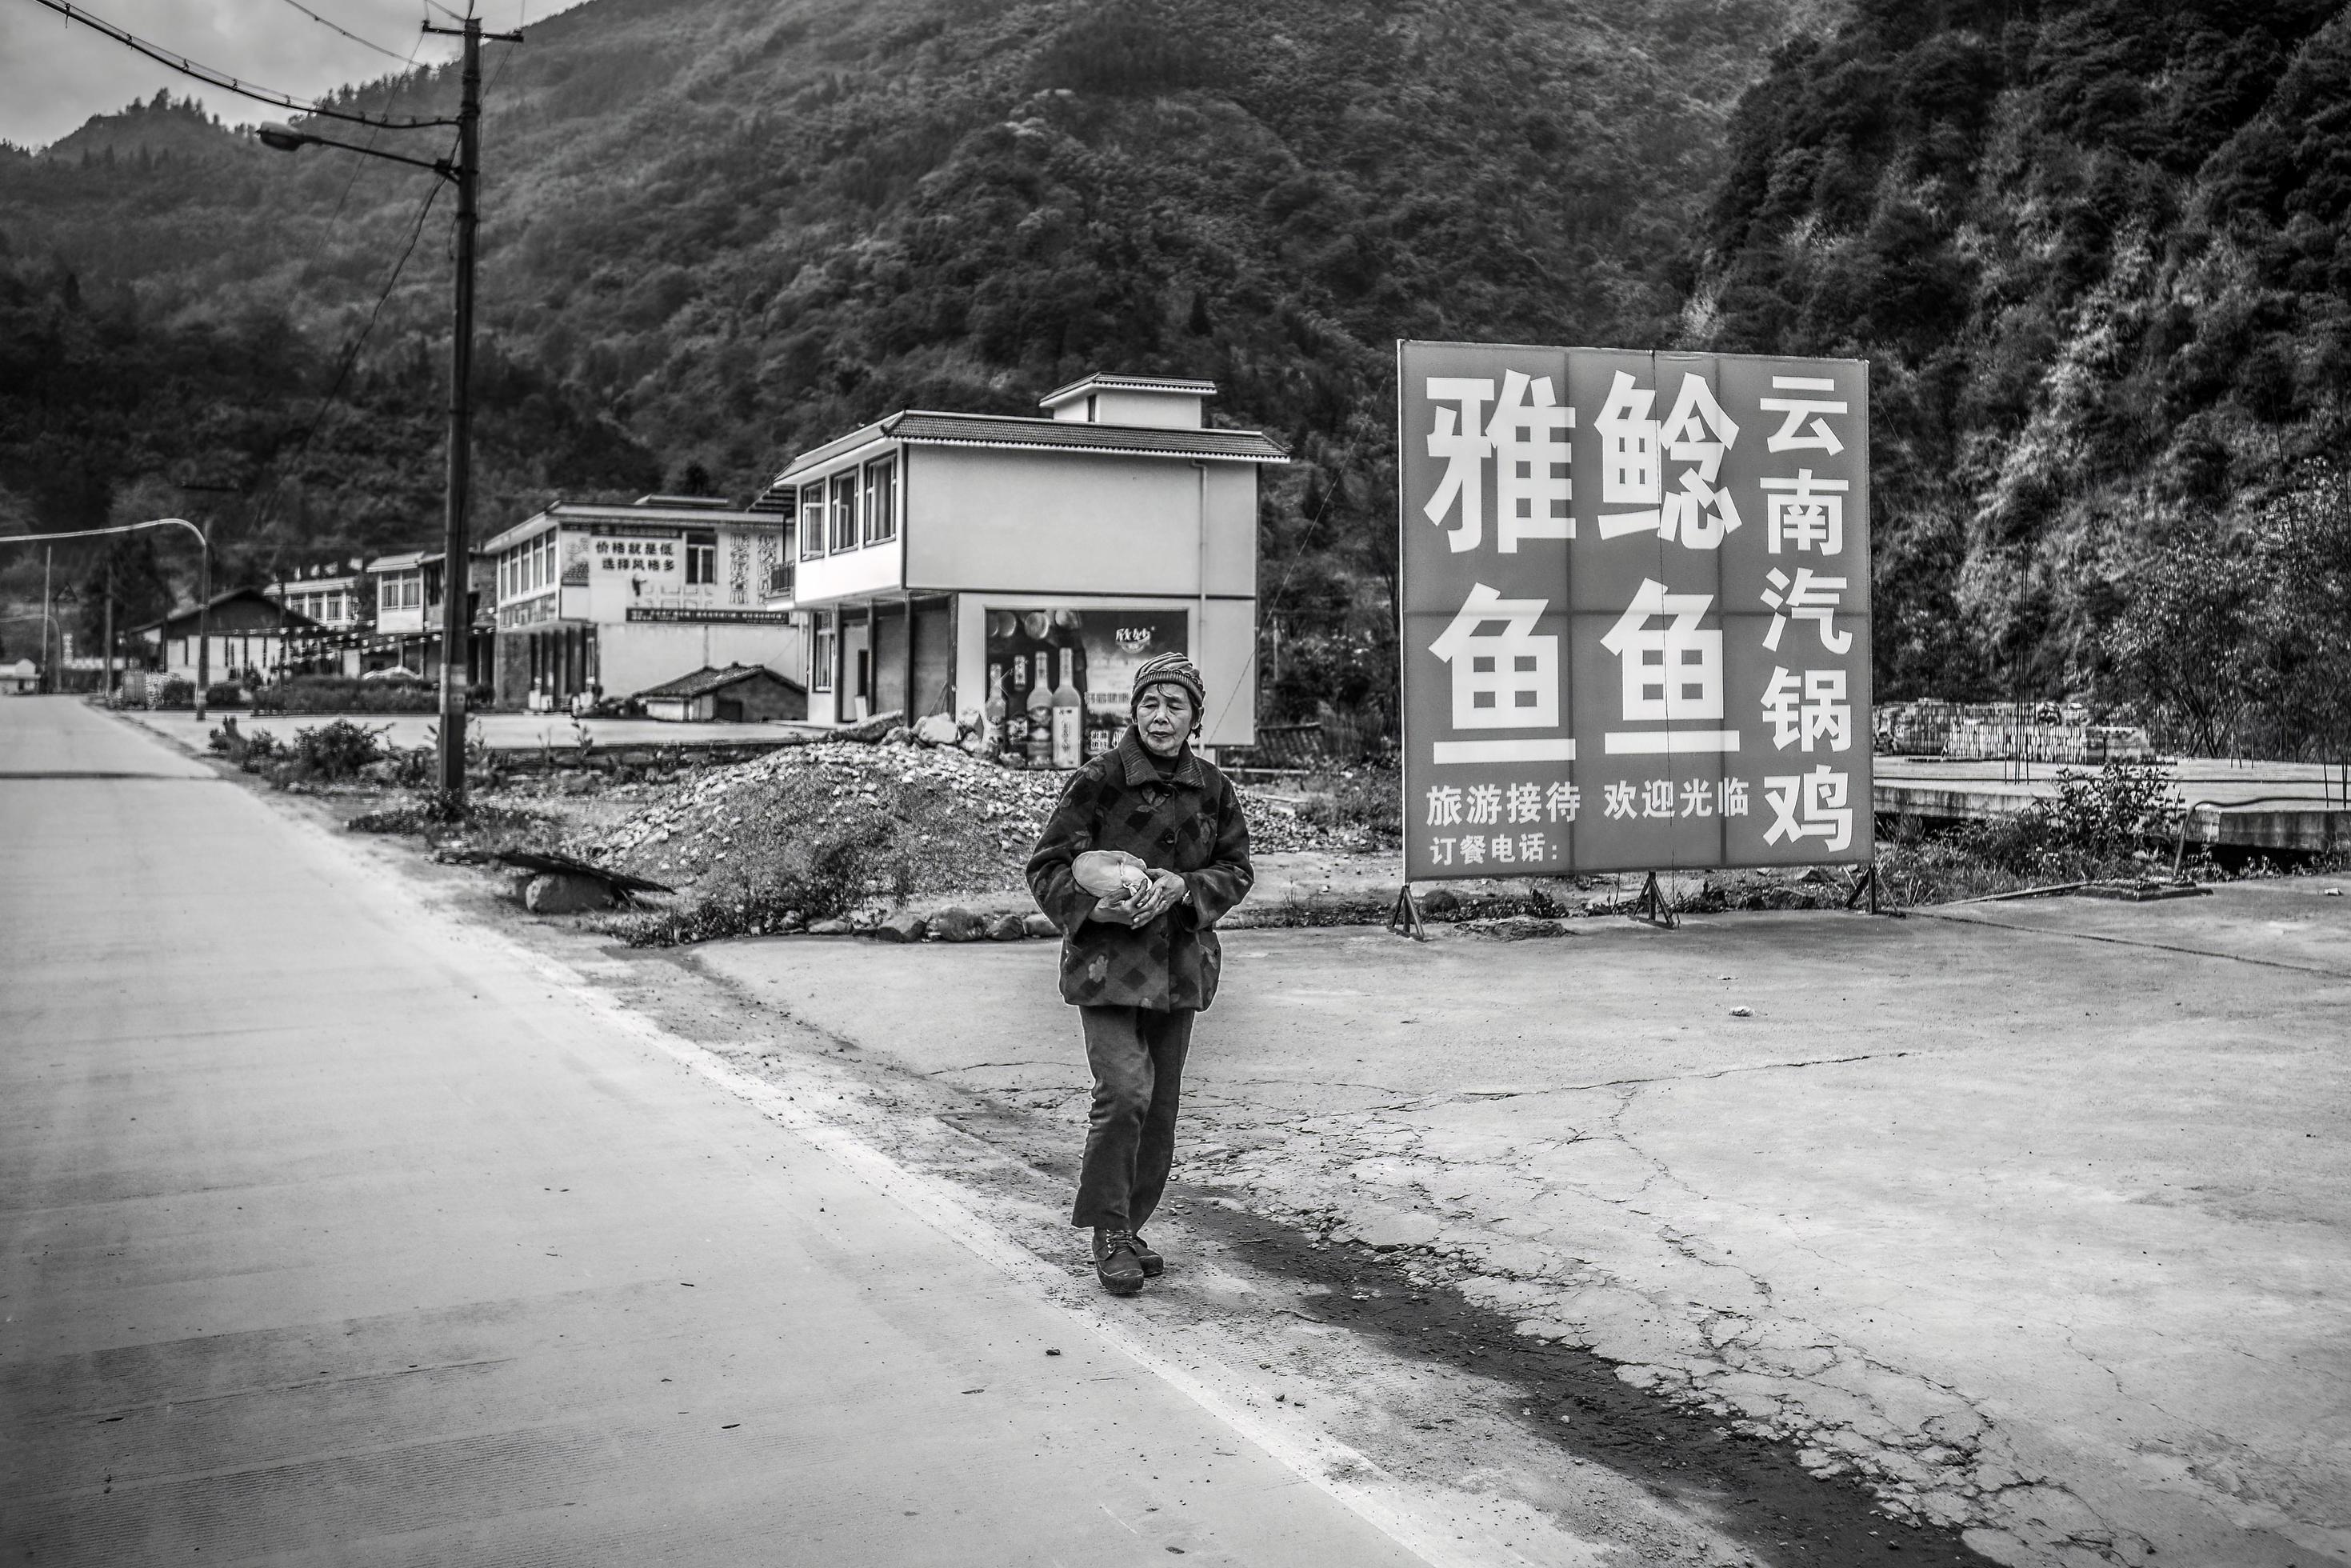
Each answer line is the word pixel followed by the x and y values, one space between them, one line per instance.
pixel 1154 1265
pixel 1117 1262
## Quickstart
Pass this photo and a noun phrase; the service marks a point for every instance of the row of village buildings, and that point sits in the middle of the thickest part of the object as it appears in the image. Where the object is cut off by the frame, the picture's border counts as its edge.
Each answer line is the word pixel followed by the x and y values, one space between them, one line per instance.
pixel 925 563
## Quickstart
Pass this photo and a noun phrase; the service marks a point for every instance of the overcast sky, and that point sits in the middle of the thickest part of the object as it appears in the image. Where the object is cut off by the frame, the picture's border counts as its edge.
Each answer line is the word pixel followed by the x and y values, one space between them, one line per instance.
pixel 56 74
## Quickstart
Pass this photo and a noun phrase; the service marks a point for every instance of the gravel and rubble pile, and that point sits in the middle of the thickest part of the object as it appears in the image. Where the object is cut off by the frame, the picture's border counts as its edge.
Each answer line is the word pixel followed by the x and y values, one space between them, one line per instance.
pixel 938 819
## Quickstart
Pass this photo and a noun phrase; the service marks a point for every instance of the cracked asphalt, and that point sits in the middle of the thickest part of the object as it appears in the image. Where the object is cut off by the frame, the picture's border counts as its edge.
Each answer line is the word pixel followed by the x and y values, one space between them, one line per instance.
pixel 2027 1220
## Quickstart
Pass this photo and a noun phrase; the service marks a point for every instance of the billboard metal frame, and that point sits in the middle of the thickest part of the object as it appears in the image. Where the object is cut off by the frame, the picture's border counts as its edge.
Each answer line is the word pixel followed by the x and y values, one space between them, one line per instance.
pixel 1634 613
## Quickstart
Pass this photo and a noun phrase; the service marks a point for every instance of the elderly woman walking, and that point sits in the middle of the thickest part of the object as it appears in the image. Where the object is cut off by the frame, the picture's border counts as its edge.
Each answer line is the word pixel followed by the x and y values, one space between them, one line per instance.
pixel 1144 855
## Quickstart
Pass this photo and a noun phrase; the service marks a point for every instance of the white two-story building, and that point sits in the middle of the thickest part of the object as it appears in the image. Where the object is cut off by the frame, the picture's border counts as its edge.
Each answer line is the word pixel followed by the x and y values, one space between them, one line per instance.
pixel 406 590
pixel 944 556
pixel 610 601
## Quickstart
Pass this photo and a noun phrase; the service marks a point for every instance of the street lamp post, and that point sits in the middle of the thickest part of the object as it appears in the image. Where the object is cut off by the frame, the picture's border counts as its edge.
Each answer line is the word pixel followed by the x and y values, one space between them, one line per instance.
pixel 204 620
pixel 462 170
pixel 164 634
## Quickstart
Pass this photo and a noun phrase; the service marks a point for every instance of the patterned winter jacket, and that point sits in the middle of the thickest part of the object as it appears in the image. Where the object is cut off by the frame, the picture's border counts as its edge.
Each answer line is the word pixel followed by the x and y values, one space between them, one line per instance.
pixel 1190 823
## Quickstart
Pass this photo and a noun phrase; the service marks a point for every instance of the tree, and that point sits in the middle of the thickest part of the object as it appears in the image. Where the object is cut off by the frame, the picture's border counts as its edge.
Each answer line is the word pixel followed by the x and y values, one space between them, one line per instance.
pixel 2303 544
pixel 126 566
pixel 2180 652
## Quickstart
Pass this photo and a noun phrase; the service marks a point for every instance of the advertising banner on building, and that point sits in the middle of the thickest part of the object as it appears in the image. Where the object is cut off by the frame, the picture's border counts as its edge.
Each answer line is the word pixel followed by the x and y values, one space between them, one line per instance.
pixel 1100 650
pixel 1635 611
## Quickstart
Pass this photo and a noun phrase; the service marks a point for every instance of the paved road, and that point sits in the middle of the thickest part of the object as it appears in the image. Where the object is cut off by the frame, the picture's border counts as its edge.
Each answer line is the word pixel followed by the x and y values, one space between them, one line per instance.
pixel 426 1260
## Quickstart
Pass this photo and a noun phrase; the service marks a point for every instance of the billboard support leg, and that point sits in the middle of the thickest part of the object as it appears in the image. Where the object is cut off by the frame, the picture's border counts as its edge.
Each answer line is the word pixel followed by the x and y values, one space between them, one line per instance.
pixel 1652 907
pixel 1864 895
pixel 1405 918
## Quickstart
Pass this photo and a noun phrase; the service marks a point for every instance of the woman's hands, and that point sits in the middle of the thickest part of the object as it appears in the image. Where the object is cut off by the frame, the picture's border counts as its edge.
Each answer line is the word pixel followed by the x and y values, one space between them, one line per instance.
pixel 1163 892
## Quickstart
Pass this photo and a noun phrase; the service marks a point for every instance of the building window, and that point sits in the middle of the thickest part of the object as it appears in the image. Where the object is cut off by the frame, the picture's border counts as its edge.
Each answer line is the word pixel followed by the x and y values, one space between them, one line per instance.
pixel 780 571
pixel 701 559
pixel 821 632
pixel 844 511
pixel 811 521
pixel 881 500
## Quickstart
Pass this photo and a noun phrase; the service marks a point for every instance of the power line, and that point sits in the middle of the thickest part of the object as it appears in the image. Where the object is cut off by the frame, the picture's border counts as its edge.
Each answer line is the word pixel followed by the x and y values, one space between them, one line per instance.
pixel 350 358
pixel 358 164
pixel 221 80
pixel 1298 553
pixel 345 32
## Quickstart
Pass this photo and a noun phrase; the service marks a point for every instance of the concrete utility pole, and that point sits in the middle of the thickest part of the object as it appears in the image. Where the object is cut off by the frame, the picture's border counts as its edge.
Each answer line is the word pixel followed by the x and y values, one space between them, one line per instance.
pixel 463 171
pixel 203 622
pixel 456 560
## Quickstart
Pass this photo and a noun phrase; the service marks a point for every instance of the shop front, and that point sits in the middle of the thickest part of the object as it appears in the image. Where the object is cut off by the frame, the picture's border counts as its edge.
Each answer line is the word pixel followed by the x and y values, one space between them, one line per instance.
pixel 990 566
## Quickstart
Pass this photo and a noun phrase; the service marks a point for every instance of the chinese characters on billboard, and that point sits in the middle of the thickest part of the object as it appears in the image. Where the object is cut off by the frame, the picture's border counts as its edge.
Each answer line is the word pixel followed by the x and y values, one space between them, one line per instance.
pixel 1635 611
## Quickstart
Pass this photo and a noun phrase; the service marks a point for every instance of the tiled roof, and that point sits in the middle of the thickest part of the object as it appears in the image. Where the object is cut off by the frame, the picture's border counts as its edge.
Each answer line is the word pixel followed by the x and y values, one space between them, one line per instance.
pixel 921 427
pixel 1180 384
pixel 702 682
pixel 293 619
pixel 1073 435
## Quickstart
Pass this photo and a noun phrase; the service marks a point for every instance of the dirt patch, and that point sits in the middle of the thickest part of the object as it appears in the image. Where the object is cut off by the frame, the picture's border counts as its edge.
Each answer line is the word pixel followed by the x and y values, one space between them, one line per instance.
pixel 1572 1401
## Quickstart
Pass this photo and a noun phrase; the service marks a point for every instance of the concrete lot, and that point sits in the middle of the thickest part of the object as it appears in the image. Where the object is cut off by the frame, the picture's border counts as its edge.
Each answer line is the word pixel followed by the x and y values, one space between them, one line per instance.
pixel 2036 1215
pixel 269 1129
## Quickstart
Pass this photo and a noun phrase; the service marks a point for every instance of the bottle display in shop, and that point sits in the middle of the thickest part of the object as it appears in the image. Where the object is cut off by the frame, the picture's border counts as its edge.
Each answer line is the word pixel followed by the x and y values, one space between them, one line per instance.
pixel 1040 713
pixel 1015 707
pixel 1091 653
pixel 1068 712
pixel 991 711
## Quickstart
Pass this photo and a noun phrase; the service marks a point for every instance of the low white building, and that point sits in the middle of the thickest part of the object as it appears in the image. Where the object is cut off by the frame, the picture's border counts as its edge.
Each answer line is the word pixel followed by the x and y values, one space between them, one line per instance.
pixel 614 600
pixel 244 635
pixel 406 590
pixel 947 556
pixel 337 598
pixel 338 602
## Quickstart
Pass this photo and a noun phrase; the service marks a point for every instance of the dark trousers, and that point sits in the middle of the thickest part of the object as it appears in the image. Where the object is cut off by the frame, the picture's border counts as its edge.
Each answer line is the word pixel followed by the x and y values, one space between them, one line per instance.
pixel 1137 1057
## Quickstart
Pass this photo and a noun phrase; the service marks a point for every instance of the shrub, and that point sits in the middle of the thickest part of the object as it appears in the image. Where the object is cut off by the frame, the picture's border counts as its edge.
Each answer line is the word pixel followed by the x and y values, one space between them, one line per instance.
pixel 225 693
pixel 173 693
pixel 417 767
pixel 336 751
pixel 343 694
pixel 250 752
pixel 2122 808
pixel 2111 823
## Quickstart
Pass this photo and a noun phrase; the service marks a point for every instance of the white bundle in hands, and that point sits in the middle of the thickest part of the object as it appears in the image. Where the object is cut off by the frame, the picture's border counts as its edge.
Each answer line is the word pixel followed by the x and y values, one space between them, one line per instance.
pixel 1113 876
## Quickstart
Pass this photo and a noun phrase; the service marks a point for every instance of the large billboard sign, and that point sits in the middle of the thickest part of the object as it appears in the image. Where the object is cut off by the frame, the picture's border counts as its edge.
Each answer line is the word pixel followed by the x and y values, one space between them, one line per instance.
pixel 1636 618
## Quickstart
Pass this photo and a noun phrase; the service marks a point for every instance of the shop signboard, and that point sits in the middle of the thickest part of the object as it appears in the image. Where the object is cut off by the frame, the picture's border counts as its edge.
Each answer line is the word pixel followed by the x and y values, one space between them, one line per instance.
pixel 708 615
pixel 1635 611
pixel 1100 650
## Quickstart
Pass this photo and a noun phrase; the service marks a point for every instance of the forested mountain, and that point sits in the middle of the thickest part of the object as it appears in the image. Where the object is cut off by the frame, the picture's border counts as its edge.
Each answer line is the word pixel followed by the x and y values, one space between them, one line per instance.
pixel 716 230
pixel 2092 250
pixel 2097 255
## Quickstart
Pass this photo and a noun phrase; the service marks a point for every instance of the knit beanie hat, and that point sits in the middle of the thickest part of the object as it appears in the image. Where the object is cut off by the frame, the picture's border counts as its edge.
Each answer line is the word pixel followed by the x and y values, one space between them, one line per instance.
pixel 1171 669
